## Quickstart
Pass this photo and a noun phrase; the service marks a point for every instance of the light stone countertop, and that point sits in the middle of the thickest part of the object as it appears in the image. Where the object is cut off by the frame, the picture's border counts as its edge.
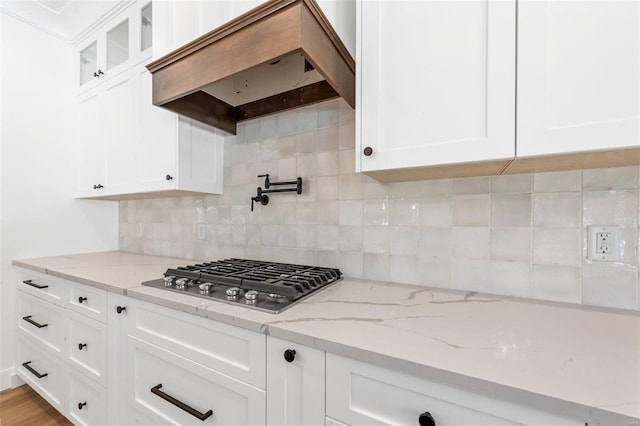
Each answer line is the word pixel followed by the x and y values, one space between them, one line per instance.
pixel 586 358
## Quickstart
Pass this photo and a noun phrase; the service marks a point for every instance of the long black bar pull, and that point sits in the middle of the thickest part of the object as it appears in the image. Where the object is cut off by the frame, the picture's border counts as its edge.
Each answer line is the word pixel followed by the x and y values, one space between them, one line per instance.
pixel 181 405
pixel 261 194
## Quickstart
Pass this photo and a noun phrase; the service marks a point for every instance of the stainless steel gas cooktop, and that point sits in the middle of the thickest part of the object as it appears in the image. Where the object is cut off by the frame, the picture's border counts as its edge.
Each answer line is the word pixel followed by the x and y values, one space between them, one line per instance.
pixel 267 286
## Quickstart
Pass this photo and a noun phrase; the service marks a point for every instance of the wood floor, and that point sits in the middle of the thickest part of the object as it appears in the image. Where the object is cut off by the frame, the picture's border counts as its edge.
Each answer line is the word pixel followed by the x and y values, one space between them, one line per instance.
pixel 22 406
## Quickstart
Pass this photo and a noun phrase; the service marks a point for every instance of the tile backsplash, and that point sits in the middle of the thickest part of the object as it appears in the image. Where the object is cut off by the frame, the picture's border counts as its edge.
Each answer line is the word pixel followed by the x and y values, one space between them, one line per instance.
pixel 522 235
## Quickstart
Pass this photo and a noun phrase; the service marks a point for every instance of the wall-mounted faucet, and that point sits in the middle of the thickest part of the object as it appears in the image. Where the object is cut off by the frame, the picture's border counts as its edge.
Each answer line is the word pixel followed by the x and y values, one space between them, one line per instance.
pixel 261 194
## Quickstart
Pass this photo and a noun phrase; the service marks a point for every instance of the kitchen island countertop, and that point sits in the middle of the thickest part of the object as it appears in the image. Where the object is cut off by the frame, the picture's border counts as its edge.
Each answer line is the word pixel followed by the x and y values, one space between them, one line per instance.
pixel 587 357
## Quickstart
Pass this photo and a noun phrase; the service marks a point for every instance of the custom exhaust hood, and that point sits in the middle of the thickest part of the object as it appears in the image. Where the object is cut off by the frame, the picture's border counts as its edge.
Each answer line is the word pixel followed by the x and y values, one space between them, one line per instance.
pixel 281 55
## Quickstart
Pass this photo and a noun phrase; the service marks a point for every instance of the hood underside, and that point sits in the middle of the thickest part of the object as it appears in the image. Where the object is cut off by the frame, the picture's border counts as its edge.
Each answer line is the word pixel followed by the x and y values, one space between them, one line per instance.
pixel 281 55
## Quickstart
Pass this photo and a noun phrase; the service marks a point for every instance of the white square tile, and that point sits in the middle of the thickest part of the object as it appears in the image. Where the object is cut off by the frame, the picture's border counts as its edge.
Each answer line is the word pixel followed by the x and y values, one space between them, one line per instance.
pixel 350 187
pixel 471 275
pixel 471 210
pixel 306 213
pixel 615 207
pixel 557 246
pixel 557 283
pixel 610 178
pixel 470 244
pixel 404 190
pixel 404 212
pixel 329 259
pixel 327 163
pixel 327 139
pixel 376 267
pixel 269 235
pixel 511 244
pixel 350 263
pixel 610 286
pixel 376 212
pixel 350 237
pixel 558 181
pixel 307 118
pixel 558 209
pixel 328 113
pixel 434 274
pixel 347 161
pixel 511 278
pixel 327 237
pixel 436 211
pixel 327 188
pixel 286 148
pixel 286 213
pixel 473 185
pixel 376 240
pixel 404 269
pixel 435 245
pixel 306 257
pixel 287 169
pixel 351 213
pixel 269 127
pixel 436 187
pixel 307 165
pixel 306 142
pixel 287 236
pixel 305 236
pixel 511 210
pixel 403 240
pixel 252 131
pixel 372 189
pixel 328 213
pixel 512 183
pixel 347 135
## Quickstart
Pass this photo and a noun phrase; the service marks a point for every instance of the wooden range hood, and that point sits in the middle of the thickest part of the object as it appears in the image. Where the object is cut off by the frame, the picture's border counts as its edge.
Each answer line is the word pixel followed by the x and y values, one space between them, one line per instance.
pixel 282 54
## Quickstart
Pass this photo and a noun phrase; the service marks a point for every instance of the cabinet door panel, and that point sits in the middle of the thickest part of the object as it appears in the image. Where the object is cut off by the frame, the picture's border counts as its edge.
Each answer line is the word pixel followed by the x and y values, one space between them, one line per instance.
pixel 437 82
pixel 157 133
pixel 87 402
pixel 121 158
pixel 90 142
pixel 87 341
pixel 43 322
pixel 295 389
pixel 578 76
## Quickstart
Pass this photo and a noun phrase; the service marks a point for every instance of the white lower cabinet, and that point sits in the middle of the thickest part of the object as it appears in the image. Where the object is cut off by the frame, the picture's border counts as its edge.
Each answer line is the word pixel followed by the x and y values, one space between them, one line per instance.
pixel 363 394
pixel 87 339
pixel 187 370
pixel 176 390
pixel 42 371
pixel 295 384
pixel 86 401
pixel 43 322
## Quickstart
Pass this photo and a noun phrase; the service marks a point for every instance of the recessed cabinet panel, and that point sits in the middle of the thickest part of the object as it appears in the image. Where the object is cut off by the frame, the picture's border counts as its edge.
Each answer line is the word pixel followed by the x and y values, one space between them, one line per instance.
pixel 43 322
pixel 578 76
pixel 90 142
pixel 87 402
pixel 199 390
pixel 146 27
pixel 436 83
pixel 44 287
pixel 87 339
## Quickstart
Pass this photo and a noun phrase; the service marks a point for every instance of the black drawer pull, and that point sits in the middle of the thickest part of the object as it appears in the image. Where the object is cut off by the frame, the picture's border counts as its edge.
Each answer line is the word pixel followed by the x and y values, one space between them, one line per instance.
pixel 426 419
pixel 81 299
pixel 32 284
pixel 81 404
pixel 119 309
pixel 32 322
pixel 181 405
pixel 32 371
pixel 81 346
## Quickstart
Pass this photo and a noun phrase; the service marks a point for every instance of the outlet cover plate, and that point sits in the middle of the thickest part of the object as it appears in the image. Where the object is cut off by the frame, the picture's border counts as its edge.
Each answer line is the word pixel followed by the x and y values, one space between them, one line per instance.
pixel 604 243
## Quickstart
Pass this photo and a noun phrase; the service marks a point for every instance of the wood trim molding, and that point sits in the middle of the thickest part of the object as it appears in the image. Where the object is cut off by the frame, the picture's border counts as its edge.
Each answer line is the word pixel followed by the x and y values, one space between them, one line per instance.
pixel 270 31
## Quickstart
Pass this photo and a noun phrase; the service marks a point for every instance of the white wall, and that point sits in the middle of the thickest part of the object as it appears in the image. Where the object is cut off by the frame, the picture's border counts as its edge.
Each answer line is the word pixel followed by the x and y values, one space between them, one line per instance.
pixel 38 215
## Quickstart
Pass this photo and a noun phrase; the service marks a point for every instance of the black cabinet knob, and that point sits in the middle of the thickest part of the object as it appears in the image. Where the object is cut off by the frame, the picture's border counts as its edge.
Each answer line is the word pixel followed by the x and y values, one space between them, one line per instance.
pixel 81 299
pixel 98 73
pixel 98 186
pixel 426 419
pixel 81 346
pixel 368 151
pixel 119 309
pixel 81 404
pixel 289 355
pixel 169 177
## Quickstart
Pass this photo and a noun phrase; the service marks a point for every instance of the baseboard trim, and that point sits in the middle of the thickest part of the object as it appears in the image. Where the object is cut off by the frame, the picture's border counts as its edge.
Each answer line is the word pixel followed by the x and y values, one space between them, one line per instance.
pixel 9 379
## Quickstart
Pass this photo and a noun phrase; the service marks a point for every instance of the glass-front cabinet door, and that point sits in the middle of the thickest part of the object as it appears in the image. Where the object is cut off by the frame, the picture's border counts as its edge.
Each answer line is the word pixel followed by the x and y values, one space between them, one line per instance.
pixel 146 27
pixel 88 63
pixel 118 45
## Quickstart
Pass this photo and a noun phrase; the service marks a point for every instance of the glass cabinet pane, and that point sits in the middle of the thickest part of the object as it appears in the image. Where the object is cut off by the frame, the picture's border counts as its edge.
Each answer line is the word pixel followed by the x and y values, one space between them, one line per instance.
pixel 118 45
pixel 145 28
pixel 88 62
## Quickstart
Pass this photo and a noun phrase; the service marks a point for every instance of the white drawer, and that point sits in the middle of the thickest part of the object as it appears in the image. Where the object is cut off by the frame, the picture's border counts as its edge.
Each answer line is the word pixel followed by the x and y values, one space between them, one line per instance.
pixel 42 321
pixel 231 402
pixel 43 286
pixel 42 371
pixel 86 401
pixel 231 350
pixel 88 301
pixel 362 394
pixel 88 346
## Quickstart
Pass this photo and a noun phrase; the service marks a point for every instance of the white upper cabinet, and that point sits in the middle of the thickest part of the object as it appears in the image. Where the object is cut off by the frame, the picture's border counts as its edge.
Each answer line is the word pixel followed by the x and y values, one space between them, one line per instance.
pixel 578 76
pixel 435 83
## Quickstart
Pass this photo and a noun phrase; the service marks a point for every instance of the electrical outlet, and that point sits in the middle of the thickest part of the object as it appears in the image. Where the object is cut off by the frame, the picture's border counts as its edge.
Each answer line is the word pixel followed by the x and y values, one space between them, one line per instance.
pixel 201 231
pixel 604 243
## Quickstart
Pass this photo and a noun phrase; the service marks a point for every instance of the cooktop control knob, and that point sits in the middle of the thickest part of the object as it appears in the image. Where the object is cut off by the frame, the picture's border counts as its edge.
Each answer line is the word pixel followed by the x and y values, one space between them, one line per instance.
pixel 205 288
pixel 233 291
pixel 251 295
pixel 181 283
pixel 168 281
